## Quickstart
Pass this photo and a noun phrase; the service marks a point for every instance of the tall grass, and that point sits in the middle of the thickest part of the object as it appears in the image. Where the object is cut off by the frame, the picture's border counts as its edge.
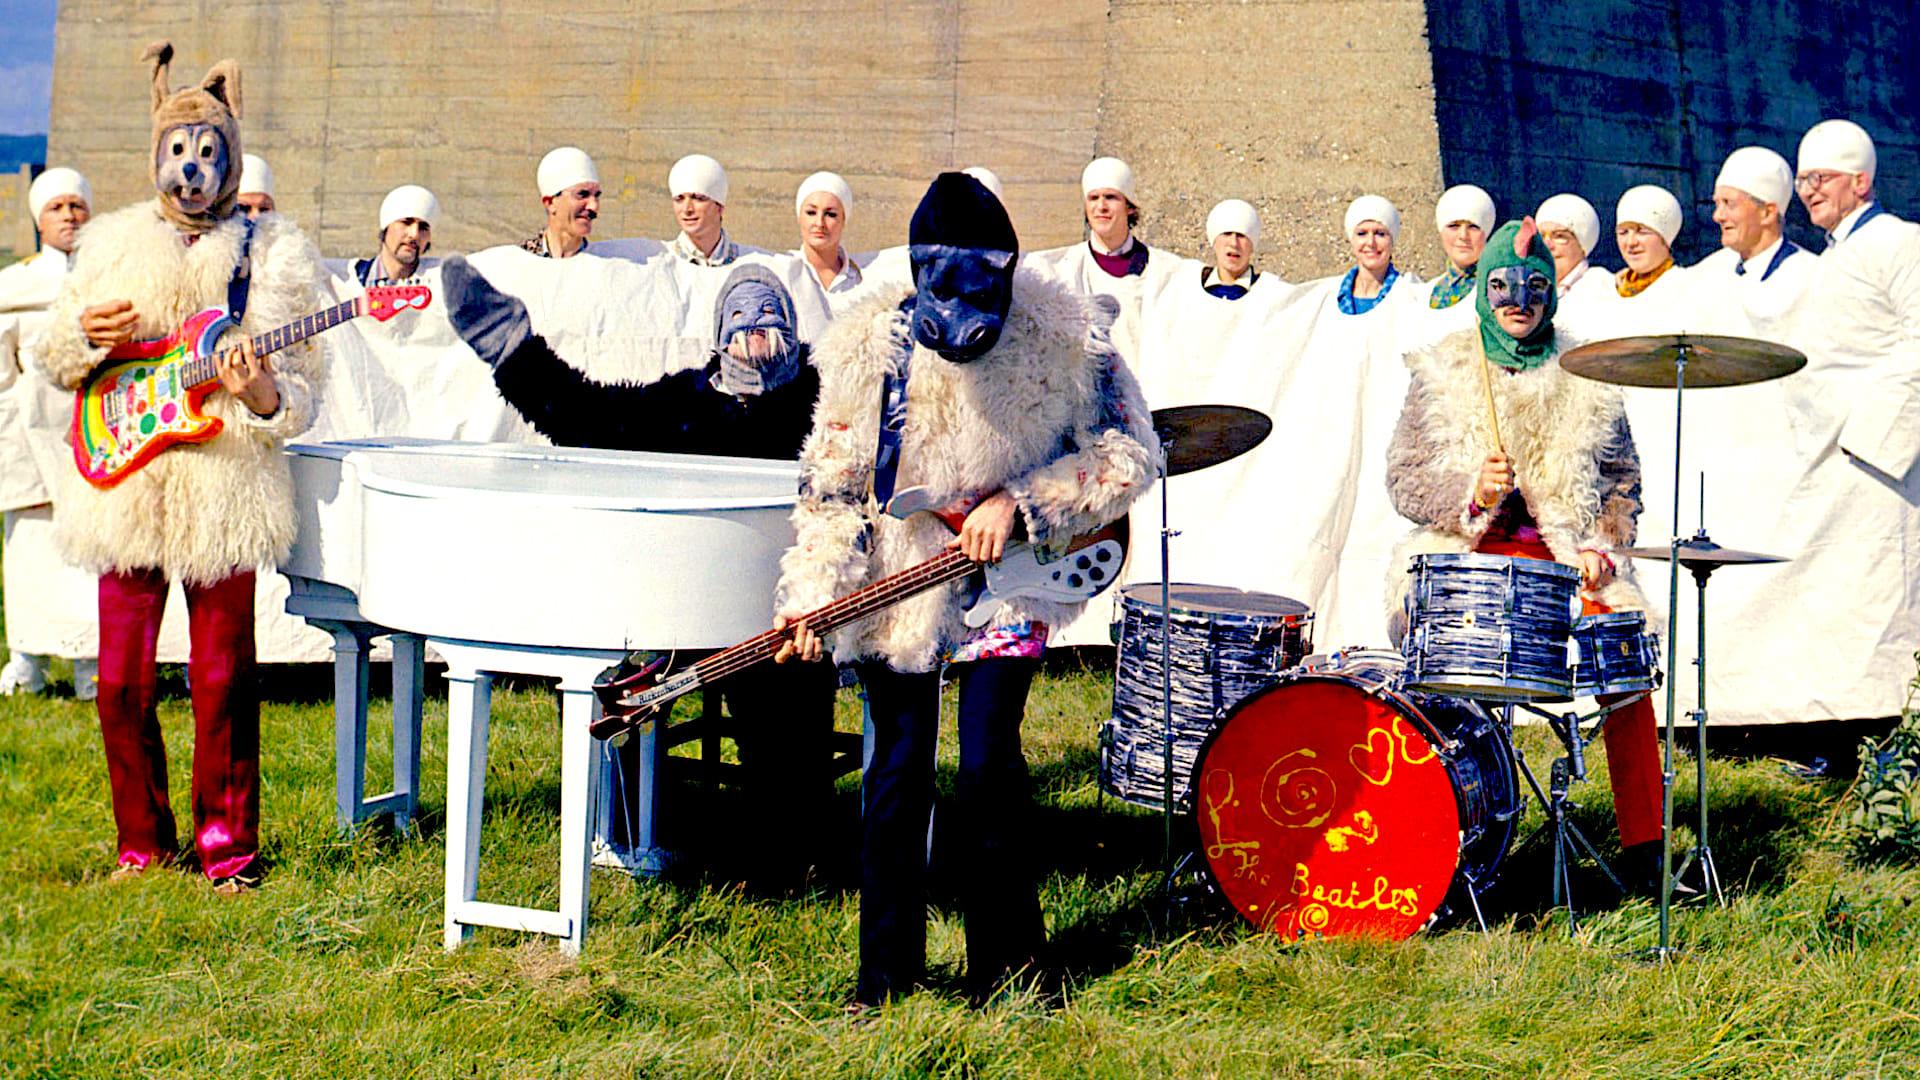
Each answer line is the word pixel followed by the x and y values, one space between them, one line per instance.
pixel 334 967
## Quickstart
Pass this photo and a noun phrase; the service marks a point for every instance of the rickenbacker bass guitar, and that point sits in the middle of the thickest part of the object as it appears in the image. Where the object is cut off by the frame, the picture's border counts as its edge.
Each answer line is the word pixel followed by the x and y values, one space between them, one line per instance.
pixel 148 395
pixel 633 692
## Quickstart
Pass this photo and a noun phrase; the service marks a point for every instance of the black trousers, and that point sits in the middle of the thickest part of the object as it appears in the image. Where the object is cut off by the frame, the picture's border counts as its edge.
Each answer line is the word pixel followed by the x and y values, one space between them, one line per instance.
pixel 999 892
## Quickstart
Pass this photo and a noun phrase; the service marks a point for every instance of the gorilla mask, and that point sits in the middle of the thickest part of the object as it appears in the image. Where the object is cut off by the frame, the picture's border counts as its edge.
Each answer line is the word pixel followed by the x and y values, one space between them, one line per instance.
pixel 963 251
pixel 755 333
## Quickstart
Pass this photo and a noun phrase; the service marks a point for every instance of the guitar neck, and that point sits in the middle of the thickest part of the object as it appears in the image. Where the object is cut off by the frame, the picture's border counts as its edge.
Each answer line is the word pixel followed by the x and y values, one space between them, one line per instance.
pixel 889 590
pixel 206 369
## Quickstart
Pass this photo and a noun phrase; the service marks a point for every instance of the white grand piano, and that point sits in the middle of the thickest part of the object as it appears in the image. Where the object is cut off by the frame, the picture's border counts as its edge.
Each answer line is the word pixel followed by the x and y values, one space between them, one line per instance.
pixel 521 559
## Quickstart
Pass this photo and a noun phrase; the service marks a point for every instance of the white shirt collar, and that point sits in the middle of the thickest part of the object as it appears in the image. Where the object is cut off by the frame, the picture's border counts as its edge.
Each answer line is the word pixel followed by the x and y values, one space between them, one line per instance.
pixel 1757 266
pixel 1845 228
pixel 1574 275
pixel 1102 248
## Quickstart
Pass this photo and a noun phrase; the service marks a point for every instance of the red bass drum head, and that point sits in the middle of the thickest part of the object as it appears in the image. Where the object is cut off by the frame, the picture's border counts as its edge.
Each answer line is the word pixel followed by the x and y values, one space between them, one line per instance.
pixel 1327 809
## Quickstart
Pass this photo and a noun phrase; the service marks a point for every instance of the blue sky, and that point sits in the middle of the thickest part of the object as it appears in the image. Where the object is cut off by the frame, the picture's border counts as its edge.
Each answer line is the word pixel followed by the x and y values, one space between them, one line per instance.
pixel 26 65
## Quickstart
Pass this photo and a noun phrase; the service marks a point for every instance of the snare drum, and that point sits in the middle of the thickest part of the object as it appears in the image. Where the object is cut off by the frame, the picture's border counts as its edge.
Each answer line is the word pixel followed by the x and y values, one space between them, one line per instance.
pixel 1491 627
pixel 1226 644
pixel 1334 803
pixel 1614 654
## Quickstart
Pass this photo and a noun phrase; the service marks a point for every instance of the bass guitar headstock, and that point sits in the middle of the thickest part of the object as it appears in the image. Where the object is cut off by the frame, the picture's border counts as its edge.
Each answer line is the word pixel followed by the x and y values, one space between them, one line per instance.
pixel 386 301
pixel 617 686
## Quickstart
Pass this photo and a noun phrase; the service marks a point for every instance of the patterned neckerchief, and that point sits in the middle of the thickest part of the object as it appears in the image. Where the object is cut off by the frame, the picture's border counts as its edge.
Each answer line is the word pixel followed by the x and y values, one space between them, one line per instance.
pixel 724 251
pixel 1360 305
pixel 538 245
pixel 1451 287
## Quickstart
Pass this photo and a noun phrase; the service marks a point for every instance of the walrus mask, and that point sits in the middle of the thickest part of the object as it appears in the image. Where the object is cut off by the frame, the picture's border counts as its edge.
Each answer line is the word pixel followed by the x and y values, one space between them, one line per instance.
pixel 963 251
pixel 755 333
pixel 196 143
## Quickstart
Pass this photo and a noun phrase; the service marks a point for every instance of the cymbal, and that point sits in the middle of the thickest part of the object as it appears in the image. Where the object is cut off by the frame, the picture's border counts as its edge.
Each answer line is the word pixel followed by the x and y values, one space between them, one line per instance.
pixel 1702 552
pixel 1197 436
pixel 1712 360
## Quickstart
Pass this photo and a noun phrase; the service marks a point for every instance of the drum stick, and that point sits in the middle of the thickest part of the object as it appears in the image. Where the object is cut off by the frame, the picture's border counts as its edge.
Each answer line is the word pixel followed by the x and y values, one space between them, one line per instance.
pixel 1493 414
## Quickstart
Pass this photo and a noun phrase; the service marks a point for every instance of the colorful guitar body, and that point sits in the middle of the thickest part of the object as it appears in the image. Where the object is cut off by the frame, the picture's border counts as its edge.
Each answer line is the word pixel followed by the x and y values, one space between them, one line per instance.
pixel 138 403
pixel 149 396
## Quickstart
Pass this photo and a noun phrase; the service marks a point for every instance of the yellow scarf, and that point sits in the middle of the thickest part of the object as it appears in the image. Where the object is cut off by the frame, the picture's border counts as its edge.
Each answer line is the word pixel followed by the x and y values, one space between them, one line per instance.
pixel 1629 283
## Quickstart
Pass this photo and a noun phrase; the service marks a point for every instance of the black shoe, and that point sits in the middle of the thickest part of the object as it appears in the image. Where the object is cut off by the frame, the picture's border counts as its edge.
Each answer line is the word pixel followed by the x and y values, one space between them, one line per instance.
pixel 1640 873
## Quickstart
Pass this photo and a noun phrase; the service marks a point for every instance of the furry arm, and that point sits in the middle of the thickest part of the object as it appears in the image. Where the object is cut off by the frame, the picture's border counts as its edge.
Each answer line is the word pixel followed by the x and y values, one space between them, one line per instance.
pixel 288 283
pixel 1108 460
pixel 1619 482
pixel 829 557
pixel 65 355
pixel 1426 483
pixel 681 413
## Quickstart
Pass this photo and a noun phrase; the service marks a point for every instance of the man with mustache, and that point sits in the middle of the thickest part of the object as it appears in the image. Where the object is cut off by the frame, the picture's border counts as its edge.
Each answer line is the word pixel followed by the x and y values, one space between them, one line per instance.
pixel 570 190
pixel 407 215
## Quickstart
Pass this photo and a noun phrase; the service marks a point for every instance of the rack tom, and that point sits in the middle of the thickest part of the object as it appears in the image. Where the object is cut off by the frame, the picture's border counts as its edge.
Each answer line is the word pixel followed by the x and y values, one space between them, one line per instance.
pixel 1491 627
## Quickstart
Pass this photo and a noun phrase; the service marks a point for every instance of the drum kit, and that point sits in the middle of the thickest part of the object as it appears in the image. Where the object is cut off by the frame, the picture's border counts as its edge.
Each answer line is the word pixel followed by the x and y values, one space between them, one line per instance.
pixel 1374 791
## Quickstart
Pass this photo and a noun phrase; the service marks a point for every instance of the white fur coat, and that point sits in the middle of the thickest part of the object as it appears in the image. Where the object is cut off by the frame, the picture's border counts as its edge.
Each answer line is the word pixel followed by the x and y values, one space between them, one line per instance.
pixel 197 513
pixel 1051 414
pixel 1573 459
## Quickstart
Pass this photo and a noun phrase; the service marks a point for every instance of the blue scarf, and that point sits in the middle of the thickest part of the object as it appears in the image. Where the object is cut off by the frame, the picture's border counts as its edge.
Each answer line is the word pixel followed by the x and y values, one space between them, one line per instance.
pixel 1452 286
pixel 1355 305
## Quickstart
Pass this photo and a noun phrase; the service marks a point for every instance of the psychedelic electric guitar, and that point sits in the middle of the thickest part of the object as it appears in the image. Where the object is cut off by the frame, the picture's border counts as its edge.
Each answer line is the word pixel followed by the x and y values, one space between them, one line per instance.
pixel 147 395
pixel 639 688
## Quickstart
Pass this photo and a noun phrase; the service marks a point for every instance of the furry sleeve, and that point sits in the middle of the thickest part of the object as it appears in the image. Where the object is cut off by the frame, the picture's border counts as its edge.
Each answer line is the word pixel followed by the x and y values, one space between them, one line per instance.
pixel 65 356
pixel 1108 464
pixel 1427 483
pixel 829 557
pixel 288 282
pixel 1619 483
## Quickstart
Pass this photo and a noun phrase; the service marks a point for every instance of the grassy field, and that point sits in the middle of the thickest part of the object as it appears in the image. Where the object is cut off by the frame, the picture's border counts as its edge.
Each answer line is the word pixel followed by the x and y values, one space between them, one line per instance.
pixel 334 967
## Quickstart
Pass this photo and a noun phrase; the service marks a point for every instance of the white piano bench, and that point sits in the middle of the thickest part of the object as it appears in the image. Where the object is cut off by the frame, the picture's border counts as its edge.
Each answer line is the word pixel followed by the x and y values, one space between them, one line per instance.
pixel 471 666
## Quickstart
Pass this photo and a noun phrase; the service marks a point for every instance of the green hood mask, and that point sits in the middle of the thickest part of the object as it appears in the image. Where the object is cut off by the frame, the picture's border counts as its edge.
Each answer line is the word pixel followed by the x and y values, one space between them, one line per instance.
pixel 1516 244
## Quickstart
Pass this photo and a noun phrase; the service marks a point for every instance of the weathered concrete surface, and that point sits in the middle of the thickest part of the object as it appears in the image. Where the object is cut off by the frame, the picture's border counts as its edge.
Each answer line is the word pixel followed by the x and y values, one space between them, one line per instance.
pixel 1294 105
pixel 464 96
pixel 16 224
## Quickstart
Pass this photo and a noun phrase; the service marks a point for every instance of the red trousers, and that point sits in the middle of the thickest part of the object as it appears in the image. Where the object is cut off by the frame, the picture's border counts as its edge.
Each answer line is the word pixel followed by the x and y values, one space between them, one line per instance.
pixel 1632 734
pixel 226 720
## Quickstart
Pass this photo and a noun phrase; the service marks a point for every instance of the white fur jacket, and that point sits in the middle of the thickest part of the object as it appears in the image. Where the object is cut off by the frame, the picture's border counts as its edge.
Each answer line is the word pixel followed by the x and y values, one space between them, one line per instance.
pixel 1573 460
pixel 1051 414
pixel 201 512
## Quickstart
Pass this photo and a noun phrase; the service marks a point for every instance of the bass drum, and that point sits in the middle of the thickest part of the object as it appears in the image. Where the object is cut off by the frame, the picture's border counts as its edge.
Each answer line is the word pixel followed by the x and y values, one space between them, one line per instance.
pixel 1335 803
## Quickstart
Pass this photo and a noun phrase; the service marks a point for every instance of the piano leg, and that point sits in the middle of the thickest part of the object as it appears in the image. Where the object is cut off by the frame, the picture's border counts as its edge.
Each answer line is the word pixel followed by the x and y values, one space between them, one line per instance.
pixel 469 705
pixel 409 696
pixel 349 719
pixel 579 779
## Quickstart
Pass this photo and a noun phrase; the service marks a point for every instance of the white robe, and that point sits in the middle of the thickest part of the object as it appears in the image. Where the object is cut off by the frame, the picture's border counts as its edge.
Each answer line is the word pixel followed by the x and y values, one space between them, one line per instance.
pixel 1583 301
pixel 1420 324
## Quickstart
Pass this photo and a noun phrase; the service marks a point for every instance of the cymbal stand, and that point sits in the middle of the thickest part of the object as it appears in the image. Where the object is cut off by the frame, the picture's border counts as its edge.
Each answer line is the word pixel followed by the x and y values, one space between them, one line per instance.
pixel 1167 534
pixel 1701 851
pixel 1664 949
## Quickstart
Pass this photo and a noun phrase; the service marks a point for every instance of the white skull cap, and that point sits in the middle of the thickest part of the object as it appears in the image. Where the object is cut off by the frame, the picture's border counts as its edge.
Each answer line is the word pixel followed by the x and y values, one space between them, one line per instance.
pixel 1573 212
pixel 831 183
pixel 1235 216
pixel 1464 202
pixel 1373 208
pixel 54 183
pixel 1840 145
pixel 1652 206
pixel 698 174
pixel 988 179
pixel 256 176
pixel 1760 173
pixel 409 201
pixel 563 167
pixel 1108 173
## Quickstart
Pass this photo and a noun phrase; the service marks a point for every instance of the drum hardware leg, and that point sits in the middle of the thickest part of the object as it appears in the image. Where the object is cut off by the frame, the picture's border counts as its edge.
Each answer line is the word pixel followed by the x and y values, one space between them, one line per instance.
pixel 1702 850
pixel 1665 947
pixel 1473 899
pixel 1166 673
pixel 1569 842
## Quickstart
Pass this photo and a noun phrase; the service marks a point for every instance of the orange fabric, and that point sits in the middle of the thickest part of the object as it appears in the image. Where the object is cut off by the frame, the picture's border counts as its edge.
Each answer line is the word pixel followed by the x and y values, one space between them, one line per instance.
pixel 1629 283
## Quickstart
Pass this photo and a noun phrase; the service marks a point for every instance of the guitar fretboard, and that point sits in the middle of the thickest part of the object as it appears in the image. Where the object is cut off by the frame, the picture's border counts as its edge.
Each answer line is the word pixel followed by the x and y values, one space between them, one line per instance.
pixel 205 369
pixel 890 590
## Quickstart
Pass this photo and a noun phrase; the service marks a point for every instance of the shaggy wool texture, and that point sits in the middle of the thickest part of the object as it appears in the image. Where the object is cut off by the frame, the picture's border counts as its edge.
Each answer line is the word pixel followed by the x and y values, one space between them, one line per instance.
pixel 1051 414
pixel 200 512
pixel 1573 459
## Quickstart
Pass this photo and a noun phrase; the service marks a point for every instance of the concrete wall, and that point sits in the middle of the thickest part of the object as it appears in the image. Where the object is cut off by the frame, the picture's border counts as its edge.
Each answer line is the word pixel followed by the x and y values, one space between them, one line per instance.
pixel 348 100
pixel 1535 97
